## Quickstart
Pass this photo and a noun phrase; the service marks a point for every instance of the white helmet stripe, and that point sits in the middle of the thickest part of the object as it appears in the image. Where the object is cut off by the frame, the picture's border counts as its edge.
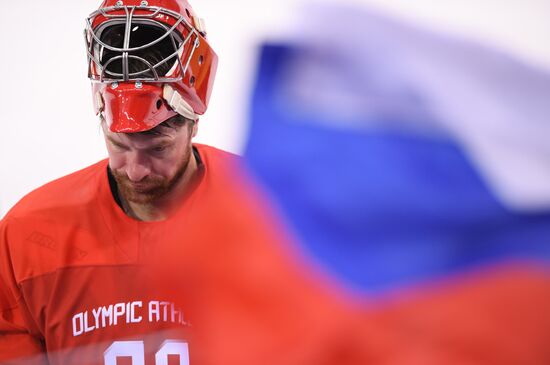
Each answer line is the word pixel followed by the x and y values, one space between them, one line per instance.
pixel 176 102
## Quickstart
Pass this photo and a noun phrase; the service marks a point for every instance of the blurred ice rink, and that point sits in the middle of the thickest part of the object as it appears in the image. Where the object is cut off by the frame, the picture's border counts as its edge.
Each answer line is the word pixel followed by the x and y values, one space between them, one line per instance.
pixel 48 126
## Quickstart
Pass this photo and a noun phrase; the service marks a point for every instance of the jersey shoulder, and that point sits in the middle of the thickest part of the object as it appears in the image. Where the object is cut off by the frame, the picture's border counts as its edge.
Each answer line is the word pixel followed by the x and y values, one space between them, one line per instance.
pixel 76 189
pixel 212 155
pixel 57 225
pixel 221 168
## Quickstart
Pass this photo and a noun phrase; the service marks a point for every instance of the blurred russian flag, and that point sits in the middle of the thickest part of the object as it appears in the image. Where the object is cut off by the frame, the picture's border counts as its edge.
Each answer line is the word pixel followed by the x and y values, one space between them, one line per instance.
pixel 414 168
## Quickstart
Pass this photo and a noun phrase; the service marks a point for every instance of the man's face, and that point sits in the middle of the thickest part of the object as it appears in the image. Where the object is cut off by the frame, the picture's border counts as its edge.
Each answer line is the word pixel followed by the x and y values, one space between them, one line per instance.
pixel 148 166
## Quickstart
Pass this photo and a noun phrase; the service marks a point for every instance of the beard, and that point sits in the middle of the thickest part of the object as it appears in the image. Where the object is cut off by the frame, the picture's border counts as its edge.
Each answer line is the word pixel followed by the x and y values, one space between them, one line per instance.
pixel 151 188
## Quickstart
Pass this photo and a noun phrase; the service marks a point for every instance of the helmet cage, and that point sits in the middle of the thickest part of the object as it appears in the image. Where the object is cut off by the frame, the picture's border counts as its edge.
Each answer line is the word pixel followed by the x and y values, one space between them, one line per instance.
pixel 116 15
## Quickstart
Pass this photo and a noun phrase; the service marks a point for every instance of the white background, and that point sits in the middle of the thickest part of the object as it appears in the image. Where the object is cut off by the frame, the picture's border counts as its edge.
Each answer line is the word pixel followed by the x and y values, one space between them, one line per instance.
pixel 48 128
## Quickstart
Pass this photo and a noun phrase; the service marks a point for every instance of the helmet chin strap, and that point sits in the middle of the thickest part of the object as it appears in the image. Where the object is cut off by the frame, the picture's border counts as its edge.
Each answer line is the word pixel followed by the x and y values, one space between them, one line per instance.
pixel 176 102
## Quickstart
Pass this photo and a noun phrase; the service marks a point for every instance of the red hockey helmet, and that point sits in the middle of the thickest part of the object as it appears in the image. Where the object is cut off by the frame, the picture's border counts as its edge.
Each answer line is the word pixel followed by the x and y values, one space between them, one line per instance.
pixel 148 61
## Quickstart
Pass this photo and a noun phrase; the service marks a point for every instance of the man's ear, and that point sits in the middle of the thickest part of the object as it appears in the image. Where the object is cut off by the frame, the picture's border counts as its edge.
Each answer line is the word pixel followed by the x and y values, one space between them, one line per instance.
pixel 195 128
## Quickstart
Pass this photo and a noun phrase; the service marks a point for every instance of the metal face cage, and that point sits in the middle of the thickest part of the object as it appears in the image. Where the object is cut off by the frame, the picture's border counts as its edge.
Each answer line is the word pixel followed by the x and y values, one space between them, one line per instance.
pixel 137 47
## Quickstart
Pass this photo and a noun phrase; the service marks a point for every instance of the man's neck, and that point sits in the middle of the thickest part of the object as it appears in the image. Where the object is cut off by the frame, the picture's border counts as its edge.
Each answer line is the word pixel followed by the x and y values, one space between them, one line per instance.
pixel 162 208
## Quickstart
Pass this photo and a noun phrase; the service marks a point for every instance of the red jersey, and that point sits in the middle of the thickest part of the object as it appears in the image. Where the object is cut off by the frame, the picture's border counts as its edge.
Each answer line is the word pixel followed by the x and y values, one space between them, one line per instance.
pixel 83 283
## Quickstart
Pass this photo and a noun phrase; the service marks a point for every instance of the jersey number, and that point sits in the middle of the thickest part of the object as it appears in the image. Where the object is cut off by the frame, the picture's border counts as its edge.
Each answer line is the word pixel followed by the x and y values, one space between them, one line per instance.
pixel 136 351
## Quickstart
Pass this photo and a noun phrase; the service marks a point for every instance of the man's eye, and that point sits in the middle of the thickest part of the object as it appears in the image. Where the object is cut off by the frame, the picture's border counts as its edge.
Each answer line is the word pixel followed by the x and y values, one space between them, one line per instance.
pixel 118 146
pixel 159 148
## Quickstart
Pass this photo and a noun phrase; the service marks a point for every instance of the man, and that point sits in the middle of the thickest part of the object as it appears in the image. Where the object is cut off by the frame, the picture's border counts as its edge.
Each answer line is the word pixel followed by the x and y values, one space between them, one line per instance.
pixel 71 258
pixel 108 265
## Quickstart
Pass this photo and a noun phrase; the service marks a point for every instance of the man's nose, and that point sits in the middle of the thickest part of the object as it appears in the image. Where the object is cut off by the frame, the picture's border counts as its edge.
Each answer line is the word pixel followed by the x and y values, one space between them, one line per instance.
pixel 137 168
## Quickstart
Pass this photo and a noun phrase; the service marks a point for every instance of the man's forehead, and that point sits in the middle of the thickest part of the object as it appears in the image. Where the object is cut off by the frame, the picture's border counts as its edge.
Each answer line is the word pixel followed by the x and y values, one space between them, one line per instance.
pixel 156 137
